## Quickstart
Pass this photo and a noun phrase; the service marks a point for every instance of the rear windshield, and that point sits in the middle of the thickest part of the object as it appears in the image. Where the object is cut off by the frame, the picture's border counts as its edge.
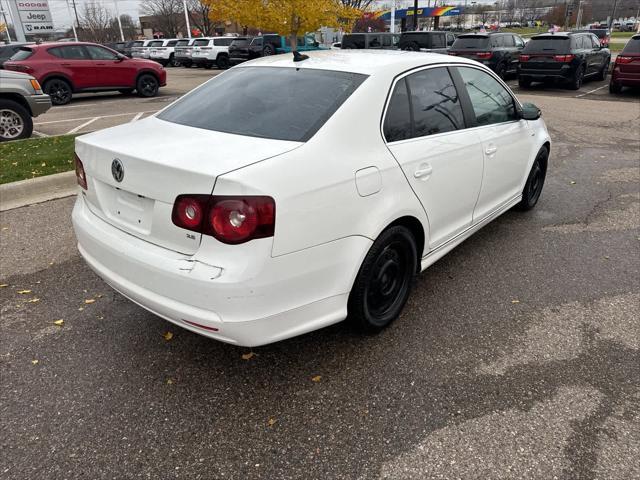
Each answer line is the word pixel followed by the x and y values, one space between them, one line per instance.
pixel 547 44
pixel 240 42
pixel 300 101
pixel 353 41
pixel 471 42
pixel 182 43
pixel 633 46
pixel 201 43
pixel 157 43
pixel 22 54
pixel 137 44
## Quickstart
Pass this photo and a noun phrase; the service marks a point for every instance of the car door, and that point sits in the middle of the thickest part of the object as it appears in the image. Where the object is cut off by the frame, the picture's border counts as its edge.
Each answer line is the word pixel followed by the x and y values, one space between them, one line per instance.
pixel 506 139
pixel 75 60
pixel 598 53
pixel 424 127
pixel 109 69
pixel 519 45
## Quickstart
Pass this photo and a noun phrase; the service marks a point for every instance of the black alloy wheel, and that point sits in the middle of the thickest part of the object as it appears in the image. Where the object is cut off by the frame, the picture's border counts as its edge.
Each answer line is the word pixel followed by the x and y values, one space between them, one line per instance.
pixel 384 281
pixel 59 90
pixel 222 62
pixel 268 50
pixel 147 85
pixel 535 181
pixel 578 78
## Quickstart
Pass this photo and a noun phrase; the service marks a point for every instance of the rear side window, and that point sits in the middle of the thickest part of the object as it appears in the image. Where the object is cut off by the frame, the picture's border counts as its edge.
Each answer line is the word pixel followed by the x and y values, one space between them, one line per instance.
pixel 490 100
pixel 240 42
pixel 559 44
pixel 72 52
pixel 438 41
pixel 157 43
pixel 633 46
pixel 397 121
pixel 222 42
pixel 201 43
pixel 435 103
pixel 172 43
pixel 497 42
pixel 300 101
pixel 22 54
pixel 353 41
pixel 471 43
pixel 508 41
pixel 375 41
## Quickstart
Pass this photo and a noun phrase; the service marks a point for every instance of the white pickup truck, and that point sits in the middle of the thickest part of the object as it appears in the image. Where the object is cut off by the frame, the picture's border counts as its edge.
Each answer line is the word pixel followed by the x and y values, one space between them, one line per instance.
pixel 207 52
pixel 163 51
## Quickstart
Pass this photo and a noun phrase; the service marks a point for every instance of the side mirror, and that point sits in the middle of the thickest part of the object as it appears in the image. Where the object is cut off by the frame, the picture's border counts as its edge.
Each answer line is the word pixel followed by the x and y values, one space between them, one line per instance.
pixel 530 112
pixel 121 58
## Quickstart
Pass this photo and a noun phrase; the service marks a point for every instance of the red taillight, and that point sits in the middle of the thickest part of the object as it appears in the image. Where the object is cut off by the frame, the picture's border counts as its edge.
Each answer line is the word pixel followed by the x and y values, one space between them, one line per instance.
pixel 453 53
pixel 563 58
pixel 81 177
pixel 18 67
pixel 230 219
pixel 484 54
pixel 525 58
pixel 624 60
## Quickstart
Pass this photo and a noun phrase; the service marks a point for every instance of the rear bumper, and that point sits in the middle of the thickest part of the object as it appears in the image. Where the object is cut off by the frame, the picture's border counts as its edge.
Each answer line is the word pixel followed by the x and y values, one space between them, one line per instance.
pixel 242 301
pixel 625 79
pixel 564 73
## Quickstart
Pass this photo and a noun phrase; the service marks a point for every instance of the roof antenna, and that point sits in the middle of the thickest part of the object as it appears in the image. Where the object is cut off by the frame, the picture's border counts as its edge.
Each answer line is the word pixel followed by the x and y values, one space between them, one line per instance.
pixel 298 57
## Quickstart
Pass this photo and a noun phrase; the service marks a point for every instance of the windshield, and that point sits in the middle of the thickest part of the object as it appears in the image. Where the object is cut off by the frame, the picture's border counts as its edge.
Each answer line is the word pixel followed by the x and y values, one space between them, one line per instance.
pixel 547 44
pixel 300 101
pixel 471 43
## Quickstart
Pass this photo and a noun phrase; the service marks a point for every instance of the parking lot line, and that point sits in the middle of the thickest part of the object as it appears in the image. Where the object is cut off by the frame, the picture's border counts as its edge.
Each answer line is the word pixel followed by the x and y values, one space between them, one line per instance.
pixel 89 118
pixel 81 126
pixel 39 134
pixel 76 106
pixel 591 91
pixel 137 117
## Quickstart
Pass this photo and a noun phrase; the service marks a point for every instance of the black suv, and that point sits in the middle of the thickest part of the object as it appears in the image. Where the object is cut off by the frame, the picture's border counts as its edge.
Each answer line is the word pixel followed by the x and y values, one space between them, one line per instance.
pixel 438 42
pixel 386 41
pixel 498 51
pixel 248 48
pixel 567 57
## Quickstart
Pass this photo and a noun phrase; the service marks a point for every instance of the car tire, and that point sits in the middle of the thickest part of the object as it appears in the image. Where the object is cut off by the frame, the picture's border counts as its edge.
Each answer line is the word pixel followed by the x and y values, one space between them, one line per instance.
pixel 147 85
pixel 268 50
pixel 412 47
pixel 15 121
pixel 524 82
pixel 615 88
pixel 172 61
pixel 535 181
pixel 222 62
pixel 186 64
pixel 59 90
pixel 578 78
pixel 603 73
pixel 384 281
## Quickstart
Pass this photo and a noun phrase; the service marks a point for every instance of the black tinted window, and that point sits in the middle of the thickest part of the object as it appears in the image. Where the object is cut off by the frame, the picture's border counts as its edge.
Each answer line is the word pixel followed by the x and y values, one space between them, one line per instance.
pixel 509 41
pixel 471 43
pixel 222 42
pixel 397 122
pixel 374 41
pixel 353 41
pixel 99 53
pixel 172 43
pixel 435 103
pixel 298 104
pixel 157 43
pixel 203 42
pixel 22 54
pixel 438 41
pixel 240 42
pixel 559 44
pixel 72 52
pixel 491 101
pixel 633 46
pixel 182 43
pixel 497 41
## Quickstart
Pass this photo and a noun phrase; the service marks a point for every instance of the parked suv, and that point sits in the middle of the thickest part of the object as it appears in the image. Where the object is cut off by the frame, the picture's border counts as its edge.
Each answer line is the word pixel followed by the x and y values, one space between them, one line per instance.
pixel 162 51
pixel 141 51
pixel 385 41
pixel 208 52
pixel 603 34
pixel 626 70
pixel 182 51
pixel 7 51
pixel 566 57
pixel 498 51
pixel 21 98
pixel 66 68
pixel 438 42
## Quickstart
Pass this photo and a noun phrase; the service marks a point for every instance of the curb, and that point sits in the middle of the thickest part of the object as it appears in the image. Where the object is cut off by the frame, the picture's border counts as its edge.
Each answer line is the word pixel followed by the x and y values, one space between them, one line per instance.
pixel 37 190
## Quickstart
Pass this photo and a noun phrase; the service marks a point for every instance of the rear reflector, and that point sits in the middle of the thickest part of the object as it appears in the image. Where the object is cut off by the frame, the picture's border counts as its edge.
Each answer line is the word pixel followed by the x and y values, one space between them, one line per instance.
pixel 211 329
pixel 524 58
pixel 229 219
pixel 81 177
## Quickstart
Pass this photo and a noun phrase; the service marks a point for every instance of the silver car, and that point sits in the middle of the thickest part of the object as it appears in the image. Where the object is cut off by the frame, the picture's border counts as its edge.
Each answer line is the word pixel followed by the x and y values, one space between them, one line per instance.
pixel 21 98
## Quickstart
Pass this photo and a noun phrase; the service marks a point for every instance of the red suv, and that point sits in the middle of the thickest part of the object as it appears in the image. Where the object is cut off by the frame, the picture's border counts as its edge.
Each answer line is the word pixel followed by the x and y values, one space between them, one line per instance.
pixel 65 68
pixel 626 70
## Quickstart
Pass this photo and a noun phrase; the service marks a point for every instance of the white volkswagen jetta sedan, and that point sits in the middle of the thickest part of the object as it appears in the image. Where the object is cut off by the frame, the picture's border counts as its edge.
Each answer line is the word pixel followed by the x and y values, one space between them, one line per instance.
pixel 283 196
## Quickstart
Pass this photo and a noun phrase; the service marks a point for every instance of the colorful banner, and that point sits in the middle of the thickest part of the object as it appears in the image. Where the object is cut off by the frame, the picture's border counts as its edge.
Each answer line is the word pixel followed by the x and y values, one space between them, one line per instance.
pixel 422 12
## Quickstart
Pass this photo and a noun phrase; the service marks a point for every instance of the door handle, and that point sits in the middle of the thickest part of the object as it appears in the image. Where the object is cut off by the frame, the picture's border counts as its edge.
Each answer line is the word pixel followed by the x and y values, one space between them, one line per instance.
pixel 491 149
pixel 424 171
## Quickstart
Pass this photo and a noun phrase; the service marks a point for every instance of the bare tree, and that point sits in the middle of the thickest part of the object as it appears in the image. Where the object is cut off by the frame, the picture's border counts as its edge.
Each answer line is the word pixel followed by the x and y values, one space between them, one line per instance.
pixel 168 15
pixel 95 23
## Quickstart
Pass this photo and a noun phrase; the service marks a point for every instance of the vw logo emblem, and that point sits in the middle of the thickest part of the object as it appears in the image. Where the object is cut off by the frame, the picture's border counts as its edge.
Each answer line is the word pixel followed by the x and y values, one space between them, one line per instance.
pixel 117 170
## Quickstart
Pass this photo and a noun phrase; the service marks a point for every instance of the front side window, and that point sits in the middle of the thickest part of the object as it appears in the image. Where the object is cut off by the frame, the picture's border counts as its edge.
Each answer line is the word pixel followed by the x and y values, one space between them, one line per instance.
pixel 435 102
pixel 299 103
pixel 397 121
pixel 491 102
pixel 99 53
pixel 519 41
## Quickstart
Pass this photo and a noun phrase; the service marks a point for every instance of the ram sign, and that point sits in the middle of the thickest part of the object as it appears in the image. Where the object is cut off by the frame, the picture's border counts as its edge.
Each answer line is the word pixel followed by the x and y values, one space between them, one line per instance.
pixel 32 17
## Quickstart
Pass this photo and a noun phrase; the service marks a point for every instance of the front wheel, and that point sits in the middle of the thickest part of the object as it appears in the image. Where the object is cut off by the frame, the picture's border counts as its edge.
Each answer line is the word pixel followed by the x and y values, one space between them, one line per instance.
pixel 15 121
pixel 383 284
pixel 535 181
pixel 147 85
pixel 59 90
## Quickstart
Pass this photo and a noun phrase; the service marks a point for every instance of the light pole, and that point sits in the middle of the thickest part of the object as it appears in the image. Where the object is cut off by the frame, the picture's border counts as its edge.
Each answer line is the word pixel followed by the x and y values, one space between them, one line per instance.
pixel 186 17
pixel 73 26
pixel 392 27
pixel 119 22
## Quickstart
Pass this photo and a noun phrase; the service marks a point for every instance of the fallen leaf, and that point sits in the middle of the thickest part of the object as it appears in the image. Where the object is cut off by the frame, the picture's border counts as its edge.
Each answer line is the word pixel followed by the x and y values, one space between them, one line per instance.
pixel 572 182
pixel 4 285
pixel 168 336
pixel 316 379
pixel 89 301
pixel 23 292
pixel 80 309
pixel 59 322
pixel 169 381
pixel 515 301
pixel 248 356
pixel 35 362
pixel 100 318
pixel 271 422
pixel 33 300
pixel 99 296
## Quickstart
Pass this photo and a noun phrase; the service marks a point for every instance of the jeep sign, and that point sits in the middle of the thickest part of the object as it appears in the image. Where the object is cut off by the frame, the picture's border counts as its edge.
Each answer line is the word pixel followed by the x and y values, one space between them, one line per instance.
pixel 32 17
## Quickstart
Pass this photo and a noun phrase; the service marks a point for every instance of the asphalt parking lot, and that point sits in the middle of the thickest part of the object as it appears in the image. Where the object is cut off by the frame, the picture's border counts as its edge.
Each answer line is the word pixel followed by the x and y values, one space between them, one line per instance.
pixel 517 357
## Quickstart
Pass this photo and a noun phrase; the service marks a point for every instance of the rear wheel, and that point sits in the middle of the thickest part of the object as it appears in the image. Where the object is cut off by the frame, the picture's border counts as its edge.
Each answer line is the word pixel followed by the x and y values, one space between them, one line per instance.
pixel 383 284
pixel 59 90
pixel 172 61
pixel 412 46
pixel 15 121
pixel 614 87
pixel 578 78
pixel 524 82
pixel 268 50
pixel 147 85
pixel 222 62
pixel 535 181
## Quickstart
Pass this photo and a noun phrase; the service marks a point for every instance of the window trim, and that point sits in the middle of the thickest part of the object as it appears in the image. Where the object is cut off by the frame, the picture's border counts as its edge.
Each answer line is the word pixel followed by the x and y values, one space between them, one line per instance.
pixel 465 101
